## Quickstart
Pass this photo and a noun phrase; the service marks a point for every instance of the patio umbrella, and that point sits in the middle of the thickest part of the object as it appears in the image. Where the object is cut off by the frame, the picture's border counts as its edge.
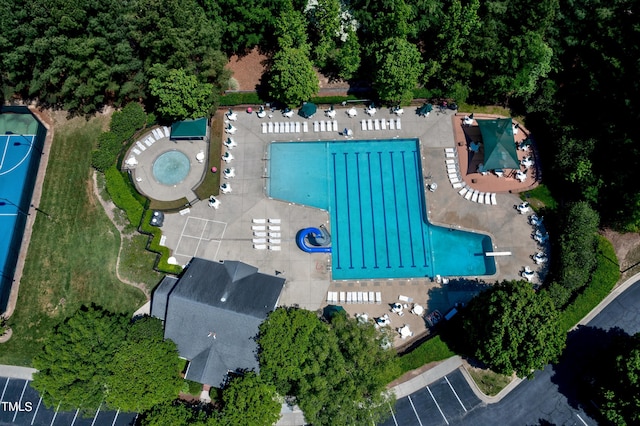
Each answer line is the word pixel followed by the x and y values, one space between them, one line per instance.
pixel 308 110
pixel 331 310
pixel 425 109
pixel 405 331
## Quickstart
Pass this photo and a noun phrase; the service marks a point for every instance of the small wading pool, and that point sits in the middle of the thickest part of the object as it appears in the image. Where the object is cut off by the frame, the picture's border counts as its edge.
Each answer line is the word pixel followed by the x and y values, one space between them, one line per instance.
pixel 171 168
pixel 374 193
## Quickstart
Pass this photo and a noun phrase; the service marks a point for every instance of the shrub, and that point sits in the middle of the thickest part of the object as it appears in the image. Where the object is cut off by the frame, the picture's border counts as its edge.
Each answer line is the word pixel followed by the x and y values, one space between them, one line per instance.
pixel 105 155
pixel 240 98
pixel 126 122
pixel 602 281
pixel 121 195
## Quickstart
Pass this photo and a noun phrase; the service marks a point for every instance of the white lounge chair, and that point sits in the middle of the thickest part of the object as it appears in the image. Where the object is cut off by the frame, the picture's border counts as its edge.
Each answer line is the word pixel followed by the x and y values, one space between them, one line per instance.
pixel 258 228
pixel 349 295
pixel 167 132
pixel 278 221
pixel 369 124
pixel 392 125
pixel 481 198
pixel 260 246
pixel 264 127
pixel 259 240
pixel 463 191
pixel 323 126
pixel 305 127
pixel 398 124
pixel 363 124
pixel 487 198
pixel 275 248
pixel 378 297
pixel 225 188
pixel 457 185
pixel 365 297
pixel 335 125
pixel 259 234
pixel 136 151
pixel 139 145
pixel 287 127
pixel 343 297
pixel 297 127
pixel 276 127
pixel 275 241
pixel 270 127
pixel 450 161
pixel 474 197
pixel 316 126
pixel 259 221
pixel 282 126
pixel 494 202
pixel 274 228
pixel 275 234
pixel 371 297
pixel 383 124
pixel 376 124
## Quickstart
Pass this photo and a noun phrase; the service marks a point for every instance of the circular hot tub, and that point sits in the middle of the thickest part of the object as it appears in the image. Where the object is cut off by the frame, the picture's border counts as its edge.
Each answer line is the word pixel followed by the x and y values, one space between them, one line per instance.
pixel 171 168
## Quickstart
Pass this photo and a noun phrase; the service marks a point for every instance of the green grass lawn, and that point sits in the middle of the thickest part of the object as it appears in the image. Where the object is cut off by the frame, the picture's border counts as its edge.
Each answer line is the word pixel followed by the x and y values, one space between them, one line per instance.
pixel 71 258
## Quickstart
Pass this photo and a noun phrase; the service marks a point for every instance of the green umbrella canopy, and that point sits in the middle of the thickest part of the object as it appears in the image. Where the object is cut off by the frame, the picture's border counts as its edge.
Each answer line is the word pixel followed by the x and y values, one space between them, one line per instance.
pixel 499 144
pixel 425 109
pixel 308 109
pixel 331 310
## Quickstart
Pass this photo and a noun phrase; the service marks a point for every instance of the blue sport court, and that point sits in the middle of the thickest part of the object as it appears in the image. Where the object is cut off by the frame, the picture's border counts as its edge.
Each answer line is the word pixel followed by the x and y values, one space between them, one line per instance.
pixel 21 142
pixel 374 193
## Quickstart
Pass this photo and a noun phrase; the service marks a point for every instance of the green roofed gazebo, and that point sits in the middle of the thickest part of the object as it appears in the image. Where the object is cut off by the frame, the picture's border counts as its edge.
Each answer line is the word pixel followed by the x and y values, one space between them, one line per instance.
pixel 189 129
pixel 499 144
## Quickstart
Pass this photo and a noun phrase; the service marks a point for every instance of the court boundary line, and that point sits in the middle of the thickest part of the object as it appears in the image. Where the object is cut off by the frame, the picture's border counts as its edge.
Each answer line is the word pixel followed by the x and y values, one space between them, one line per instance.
pixel 200 238
pixel 6 149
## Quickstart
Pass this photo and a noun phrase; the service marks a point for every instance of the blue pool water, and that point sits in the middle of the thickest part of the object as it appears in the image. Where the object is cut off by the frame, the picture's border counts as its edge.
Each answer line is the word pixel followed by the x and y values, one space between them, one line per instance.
pixel 375 197
pixel 171 167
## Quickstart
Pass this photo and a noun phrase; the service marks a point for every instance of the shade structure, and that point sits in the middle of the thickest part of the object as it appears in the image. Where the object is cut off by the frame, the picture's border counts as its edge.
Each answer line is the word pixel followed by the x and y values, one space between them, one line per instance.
pixel 331 310
pixel 499 144
pixel 307 110
pixel 425 109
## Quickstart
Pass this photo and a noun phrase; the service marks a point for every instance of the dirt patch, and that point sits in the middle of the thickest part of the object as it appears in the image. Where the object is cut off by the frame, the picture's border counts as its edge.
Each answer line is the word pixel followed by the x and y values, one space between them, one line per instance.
pixel 627 248
pixel 248 70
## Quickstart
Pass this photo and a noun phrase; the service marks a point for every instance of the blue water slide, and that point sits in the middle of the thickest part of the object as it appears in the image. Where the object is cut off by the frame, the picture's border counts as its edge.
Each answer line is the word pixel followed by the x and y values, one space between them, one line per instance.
pixel 316 235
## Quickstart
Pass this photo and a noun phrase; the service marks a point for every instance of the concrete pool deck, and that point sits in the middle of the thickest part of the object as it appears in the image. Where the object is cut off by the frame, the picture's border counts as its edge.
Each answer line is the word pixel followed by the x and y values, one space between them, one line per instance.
pixel 226 233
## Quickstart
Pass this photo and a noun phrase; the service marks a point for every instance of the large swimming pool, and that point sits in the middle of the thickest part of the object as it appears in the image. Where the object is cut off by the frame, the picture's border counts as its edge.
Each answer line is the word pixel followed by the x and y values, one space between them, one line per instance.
pixel 374 193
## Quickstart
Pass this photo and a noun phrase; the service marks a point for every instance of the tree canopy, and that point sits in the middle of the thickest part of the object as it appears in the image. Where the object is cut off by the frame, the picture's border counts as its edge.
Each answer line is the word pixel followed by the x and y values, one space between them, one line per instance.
pixel 73 366
pixel 249 400
pixel 146 369
pixel 95 355
pixel 398 69
pixel 338 372
pixel 514 328
pixel 181 95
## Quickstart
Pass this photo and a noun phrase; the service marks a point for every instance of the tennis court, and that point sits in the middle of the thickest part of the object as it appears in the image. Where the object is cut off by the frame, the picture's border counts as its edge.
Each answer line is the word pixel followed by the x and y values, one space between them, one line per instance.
pixel 20 151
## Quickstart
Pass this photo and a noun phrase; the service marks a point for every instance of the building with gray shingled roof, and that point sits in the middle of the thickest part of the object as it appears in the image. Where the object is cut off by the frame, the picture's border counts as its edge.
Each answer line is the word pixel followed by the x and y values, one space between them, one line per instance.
pixel 212 312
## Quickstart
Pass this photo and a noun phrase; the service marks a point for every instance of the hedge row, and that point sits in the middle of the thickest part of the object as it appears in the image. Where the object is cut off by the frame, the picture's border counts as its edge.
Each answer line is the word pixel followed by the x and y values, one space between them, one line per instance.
pixel 123 125
pixel 153 245
pixel 121 195
pixel 603 280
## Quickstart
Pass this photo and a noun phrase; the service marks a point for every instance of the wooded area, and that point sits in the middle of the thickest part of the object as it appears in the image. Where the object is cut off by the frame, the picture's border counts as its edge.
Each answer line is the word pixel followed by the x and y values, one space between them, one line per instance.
pixel 569 67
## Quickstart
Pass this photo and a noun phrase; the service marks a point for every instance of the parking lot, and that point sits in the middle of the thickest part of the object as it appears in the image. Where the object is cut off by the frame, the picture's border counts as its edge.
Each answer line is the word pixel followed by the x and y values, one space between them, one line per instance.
pixel 20 404
pixel 443 402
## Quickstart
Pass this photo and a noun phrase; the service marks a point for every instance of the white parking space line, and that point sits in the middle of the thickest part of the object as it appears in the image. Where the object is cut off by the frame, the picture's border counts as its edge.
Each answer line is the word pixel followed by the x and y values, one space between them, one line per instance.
pixel 24 388
pixel 454 392
pixel 54 415
pixel 437 405
pixel 35 413
pixel 96 416
pixel 393 416
pixel 4 390
pixel 582 420
pixel 414 410
pixel 115 418
pixel 75 416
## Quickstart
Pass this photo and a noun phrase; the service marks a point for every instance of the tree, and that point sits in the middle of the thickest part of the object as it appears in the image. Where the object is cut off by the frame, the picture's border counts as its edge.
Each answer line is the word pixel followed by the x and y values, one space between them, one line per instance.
pixel 248 400
pixel 514 328
pixel 145 370
pixel 293 79
pixel 398 68
pixel 176 413
pixel 181 96
pixel 617 381
pixel 129 120
pixel 73 365
pixel 338 373
pixel 347 58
